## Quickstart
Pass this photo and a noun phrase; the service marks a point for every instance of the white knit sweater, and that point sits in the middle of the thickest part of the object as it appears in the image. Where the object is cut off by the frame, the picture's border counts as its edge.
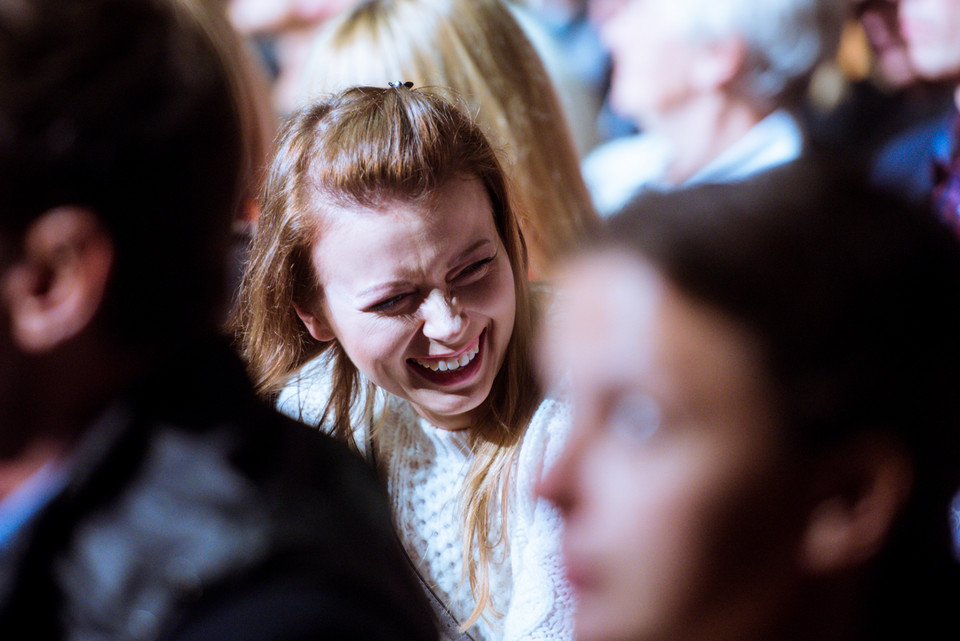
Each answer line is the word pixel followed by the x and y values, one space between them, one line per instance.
pixel 425 468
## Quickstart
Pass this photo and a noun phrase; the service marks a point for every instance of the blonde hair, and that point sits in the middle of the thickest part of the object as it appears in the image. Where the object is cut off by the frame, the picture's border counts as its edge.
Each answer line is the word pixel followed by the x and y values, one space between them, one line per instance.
pixel 366 146
pixel 476 48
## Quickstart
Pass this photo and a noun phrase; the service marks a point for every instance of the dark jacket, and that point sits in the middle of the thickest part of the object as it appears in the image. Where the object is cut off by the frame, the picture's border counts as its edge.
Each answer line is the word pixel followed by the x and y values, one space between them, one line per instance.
pixel 194 512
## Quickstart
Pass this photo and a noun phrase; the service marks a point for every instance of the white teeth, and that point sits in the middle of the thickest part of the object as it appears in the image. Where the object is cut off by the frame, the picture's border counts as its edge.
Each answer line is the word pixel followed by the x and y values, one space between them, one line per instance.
pixel 452 364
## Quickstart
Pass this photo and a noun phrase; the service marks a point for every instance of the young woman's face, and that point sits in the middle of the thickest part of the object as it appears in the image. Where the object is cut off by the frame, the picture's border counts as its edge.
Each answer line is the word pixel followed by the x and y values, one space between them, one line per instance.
pixel 421 297
pixel 680 519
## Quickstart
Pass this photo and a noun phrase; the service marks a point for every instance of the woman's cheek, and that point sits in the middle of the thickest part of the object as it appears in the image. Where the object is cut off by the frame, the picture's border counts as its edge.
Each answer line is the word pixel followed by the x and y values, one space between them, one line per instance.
pixel 495 296
pixel 373 344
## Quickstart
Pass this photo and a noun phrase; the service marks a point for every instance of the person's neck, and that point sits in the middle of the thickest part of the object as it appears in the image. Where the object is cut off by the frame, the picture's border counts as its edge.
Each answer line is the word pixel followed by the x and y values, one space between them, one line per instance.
pixel 703 130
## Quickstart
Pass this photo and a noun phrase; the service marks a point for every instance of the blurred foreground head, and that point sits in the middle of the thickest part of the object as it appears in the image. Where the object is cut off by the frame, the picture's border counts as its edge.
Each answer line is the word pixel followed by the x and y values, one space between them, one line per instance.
pixel 765 444
pixel 119 118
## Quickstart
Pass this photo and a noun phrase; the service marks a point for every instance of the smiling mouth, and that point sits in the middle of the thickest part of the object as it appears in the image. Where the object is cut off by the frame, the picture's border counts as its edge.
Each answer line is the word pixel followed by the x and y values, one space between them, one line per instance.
pixel 452 364
pixel 451 370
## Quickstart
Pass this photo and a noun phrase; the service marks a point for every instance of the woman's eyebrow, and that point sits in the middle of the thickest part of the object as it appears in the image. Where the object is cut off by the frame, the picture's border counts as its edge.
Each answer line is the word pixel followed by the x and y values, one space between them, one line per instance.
pixel 381 287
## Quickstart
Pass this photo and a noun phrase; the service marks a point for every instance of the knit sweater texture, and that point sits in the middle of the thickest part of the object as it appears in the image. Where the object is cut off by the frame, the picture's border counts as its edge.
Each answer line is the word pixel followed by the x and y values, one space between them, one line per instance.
pixel 425 468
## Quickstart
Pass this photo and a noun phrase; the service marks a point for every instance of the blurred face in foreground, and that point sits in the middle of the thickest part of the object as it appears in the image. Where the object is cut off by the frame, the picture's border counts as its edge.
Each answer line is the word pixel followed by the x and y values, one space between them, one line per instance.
pixel 680 513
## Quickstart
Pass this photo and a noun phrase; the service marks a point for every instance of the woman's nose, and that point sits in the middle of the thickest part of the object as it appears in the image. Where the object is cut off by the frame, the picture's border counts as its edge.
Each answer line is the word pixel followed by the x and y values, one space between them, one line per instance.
pixel 558 484
pixel 442 317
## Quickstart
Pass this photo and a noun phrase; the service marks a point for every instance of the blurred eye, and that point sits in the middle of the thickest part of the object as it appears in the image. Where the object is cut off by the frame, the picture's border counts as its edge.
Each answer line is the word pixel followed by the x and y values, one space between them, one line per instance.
pixel 634 415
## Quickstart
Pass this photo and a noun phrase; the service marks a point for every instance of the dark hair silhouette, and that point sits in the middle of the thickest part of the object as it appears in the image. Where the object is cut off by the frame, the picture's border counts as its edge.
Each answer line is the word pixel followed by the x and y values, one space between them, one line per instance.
pixel 116 110
pixel 854 297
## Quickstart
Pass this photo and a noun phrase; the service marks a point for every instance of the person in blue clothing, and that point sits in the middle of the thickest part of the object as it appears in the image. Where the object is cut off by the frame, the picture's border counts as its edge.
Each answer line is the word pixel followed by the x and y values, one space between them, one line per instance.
pixel 924 161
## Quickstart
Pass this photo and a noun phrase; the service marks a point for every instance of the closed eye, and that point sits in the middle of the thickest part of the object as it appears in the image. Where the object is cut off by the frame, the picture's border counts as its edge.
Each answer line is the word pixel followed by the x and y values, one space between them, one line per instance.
pixel 392 304
pixel 473 270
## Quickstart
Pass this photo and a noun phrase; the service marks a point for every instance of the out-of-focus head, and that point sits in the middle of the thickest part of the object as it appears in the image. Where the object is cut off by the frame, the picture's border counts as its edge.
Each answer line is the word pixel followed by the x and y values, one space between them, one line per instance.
pixel 929 28
pixel 761 377
pixel 477 49
pixel 384 160
pixel 118 120
pixel 671 482
pixel 882 30
pixel 763 50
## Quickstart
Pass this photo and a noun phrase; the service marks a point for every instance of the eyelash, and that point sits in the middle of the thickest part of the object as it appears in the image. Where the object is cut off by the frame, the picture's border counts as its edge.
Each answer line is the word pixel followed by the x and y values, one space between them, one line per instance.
pixel 389 304
pixel 473 268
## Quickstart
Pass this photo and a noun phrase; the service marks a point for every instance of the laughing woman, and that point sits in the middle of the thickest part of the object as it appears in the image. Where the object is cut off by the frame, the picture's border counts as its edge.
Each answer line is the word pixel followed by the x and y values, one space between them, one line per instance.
pixel 385 302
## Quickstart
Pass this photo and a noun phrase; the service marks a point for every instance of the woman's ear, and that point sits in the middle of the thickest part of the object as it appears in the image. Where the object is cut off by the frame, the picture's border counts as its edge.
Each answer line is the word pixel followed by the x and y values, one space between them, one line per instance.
pixel 863 488
pixel 315 323
pixel 58 284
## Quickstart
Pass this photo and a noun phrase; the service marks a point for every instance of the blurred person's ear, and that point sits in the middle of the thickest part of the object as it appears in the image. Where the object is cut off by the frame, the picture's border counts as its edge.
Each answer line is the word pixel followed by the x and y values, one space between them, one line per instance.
pixel 719 64
pixel 315 323
pixel 862 489
pixel 57 285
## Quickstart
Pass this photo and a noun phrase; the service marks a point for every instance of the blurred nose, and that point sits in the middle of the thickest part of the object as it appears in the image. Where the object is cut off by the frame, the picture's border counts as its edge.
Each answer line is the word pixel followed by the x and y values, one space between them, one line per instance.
pixel 442 317
pixel 560 483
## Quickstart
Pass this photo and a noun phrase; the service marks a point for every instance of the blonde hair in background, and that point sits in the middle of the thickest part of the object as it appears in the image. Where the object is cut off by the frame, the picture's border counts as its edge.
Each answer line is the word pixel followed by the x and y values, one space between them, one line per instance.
pixel 369 146
pixel 476 48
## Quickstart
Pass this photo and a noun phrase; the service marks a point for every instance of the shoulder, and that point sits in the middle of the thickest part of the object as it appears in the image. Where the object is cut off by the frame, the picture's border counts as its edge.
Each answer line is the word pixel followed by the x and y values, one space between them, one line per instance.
pixel 552 417
pixel 781 138
pixel 220 515
pixel 305 395
pixel 293 605
pixel 905 162
pixel 609 155
pixel 545 436
pixel 616 170
pixel 330 562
